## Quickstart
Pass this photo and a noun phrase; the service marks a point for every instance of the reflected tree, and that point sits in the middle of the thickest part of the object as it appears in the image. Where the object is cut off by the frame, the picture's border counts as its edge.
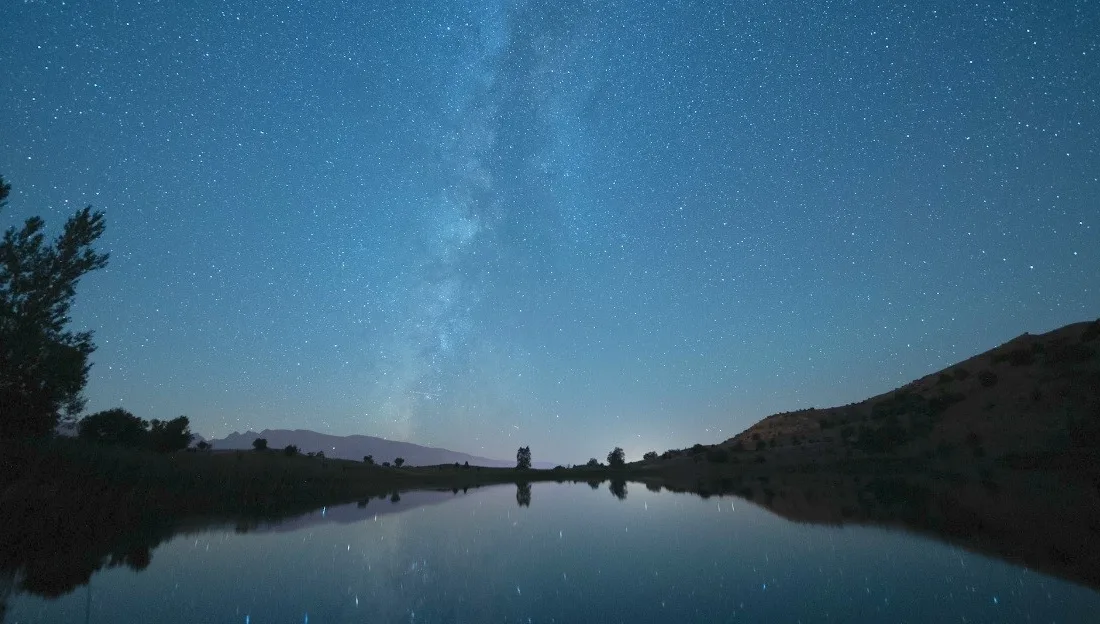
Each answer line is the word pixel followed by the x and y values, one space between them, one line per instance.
pixel 523 494
pixel 594 484
pixel 618 488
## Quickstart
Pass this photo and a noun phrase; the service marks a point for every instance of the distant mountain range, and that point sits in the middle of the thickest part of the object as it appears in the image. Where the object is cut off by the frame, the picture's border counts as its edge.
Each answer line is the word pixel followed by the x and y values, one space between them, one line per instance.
pixel 355 447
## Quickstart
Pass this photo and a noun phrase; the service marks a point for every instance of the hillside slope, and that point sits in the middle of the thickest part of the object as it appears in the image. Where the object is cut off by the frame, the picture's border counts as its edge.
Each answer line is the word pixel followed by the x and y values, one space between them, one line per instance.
pixel 1036 395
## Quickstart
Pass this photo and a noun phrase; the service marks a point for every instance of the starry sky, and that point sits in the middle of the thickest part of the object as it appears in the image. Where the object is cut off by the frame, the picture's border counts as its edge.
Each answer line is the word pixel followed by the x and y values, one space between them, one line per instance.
pixel 569 225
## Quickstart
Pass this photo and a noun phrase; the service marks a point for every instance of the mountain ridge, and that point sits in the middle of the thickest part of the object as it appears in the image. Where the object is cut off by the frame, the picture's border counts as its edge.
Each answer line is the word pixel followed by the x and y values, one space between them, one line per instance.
pixel 355 447
pixel 1036 393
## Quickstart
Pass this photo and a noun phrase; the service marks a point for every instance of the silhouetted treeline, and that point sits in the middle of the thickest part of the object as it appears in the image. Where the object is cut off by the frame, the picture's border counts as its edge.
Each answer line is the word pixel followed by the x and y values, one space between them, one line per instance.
pixel 121 428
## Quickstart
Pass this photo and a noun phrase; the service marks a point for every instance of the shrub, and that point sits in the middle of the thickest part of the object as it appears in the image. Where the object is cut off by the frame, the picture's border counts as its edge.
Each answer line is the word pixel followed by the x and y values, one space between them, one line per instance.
pixel 369 460
pixel 987 378
pixel 114 426
pixel 290 450
pixel 593 463
pixel 1092 332
pixel 259 444
pixel 718 456
pixel 650 456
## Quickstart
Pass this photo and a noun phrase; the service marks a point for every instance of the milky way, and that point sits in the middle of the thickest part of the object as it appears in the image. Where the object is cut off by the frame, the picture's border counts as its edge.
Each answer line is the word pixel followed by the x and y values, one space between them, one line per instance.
pixel 565 225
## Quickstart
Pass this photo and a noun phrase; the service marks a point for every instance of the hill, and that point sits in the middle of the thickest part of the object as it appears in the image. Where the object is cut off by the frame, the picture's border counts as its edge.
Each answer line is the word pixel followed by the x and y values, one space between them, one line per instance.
pixel 355 447
pixel 1034 397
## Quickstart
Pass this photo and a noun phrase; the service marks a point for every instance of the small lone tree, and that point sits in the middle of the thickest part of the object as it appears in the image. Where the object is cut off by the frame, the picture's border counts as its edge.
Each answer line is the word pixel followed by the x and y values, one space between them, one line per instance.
pixel 368 460
pixel 398 461
pixel 203 445
pixel 43 365
pixel 259 444
pixel 616 458
pixel 523 458
pixel 593 463
pixel 290 450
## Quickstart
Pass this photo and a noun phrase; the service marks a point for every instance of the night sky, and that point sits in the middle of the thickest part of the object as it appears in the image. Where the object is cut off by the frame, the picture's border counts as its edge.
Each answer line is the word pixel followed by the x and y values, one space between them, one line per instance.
pixel 566 225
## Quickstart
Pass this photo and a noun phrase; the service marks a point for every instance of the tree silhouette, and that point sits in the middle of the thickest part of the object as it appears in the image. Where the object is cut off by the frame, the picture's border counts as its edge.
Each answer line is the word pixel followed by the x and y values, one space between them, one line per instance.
pixel 523 458
pixel 114 426
pixel 43 366
pixel 203 445
pixel 368 460
pixel 650 456
pixel 290 450
pixel 167 436
pixel 260 444
pixel 593 463
pixel 616 458
pixel 618 488
pixel 398 461
pixel 523 494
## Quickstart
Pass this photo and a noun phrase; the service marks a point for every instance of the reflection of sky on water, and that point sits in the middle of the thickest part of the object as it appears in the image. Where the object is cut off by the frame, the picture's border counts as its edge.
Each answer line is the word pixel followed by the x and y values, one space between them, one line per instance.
pixel 576 554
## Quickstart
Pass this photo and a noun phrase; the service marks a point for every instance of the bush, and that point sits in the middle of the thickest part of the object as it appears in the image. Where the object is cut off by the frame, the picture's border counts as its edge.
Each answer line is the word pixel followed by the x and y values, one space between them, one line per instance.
pixel 114 426
pixel 290 450
pixel 121 428
pixel 718 456
pixel 987 378
pixel 593 463
pixel 260 444
pixel 1092 332
pixel 882 439
pixel 650 456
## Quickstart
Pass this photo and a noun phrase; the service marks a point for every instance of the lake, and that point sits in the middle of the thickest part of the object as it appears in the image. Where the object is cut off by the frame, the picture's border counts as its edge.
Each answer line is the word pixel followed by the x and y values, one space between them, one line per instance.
pixel 551 552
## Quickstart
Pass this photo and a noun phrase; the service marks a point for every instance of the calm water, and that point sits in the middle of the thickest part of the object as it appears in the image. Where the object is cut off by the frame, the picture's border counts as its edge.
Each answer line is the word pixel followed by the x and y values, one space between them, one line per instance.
pixel 575 554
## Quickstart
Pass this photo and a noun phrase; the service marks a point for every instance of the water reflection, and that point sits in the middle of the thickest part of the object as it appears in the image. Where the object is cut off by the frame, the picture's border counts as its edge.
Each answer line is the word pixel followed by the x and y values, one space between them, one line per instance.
pixel 1047 524
pixel 523 494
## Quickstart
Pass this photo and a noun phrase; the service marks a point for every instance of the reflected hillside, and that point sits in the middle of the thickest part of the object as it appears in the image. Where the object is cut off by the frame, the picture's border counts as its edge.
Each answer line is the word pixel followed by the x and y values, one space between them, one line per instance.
pixel 1041 521
pixel 1044 521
